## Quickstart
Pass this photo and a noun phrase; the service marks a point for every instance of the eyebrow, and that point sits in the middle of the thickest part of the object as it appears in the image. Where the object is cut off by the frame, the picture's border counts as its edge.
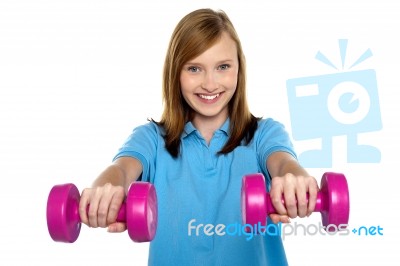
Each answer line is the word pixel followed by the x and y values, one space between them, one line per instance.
pixel 218 62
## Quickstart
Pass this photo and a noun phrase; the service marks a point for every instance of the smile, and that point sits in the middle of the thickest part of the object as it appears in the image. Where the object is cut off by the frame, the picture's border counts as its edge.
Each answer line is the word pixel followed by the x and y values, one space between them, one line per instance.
pixel 208 97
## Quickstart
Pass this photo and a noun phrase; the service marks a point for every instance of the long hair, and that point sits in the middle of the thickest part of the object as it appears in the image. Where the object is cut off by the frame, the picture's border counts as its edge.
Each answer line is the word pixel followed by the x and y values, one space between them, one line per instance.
pixel 194 34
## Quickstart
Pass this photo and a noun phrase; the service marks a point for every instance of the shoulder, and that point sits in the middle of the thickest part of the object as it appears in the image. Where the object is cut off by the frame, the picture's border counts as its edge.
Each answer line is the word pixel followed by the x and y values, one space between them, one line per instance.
pixel 271 131
pixel 269 124
pixel 149 132
pixel 149 128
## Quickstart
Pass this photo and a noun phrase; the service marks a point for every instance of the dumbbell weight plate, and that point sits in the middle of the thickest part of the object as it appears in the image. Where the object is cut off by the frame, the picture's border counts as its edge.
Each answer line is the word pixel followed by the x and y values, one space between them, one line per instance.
pixel 141 211
pixel 254 200
pixel 62 213
pixel 337 207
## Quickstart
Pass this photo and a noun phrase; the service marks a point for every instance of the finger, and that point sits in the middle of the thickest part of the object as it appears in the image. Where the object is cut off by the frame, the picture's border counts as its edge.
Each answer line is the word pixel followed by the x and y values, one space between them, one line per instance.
pixel 290 203
pixel 276 218
pixel 116 227
pixel 312 196
pixel 83 203
pixel 301 197
pixel 289 194
pixel 94 207
pixel 115 205
pixel 104 205
pixel 275 194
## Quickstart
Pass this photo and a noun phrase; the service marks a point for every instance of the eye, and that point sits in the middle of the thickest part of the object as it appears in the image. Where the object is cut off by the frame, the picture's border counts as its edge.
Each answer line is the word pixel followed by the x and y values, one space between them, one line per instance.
pixel 224 67
pixel 193 69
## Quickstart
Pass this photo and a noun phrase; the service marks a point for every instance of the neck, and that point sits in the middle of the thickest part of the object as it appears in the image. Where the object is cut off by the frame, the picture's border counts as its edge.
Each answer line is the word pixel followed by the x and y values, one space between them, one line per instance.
pixel 207 126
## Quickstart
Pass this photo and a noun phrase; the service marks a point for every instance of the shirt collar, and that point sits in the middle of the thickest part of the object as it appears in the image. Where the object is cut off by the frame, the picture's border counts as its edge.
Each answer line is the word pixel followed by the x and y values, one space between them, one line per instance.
pixel 225 127
pixel 189 128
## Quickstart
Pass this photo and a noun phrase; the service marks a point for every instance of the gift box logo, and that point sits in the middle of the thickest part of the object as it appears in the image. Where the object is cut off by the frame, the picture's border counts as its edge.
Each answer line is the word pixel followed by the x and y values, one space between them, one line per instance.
pixel 325 106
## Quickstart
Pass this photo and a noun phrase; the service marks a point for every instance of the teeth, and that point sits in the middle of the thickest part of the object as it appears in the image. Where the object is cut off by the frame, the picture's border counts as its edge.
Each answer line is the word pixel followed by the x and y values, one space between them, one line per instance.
pixel 209 97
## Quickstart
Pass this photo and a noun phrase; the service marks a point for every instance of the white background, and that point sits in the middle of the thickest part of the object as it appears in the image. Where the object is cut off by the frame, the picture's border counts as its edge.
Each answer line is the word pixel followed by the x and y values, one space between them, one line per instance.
pixel 77 76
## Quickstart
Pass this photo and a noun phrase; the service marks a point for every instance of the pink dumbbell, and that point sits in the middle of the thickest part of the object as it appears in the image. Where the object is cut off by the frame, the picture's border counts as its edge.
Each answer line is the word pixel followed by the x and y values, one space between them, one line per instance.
pixel 332 201
pixel 139 212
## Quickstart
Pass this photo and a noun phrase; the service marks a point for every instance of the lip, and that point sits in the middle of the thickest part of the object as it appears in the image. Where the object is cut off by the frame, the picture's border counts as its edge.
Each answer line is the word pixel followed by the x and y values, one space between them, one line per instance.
pixel 209 98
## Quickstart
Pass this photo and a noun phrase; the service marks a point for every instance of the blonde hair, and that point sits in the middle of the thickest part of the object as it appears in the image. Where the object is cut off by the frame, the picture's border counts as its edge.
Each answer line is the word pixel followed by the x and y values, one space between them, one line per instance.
pixel 194 34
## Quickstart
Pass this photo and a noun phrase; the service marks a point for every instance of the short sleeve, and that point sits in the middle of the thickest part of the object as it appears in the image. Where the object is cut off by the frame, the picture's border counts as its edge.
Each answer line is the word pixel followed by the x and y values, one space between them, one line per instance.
pixel 142 145
pixel 272 137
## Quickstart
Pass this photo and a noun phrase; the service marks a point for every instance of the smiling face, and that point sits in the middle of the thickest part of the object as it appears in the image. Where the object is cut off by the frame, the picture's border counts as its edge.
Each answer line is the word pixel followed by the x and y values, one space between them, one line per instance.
pixel 209 81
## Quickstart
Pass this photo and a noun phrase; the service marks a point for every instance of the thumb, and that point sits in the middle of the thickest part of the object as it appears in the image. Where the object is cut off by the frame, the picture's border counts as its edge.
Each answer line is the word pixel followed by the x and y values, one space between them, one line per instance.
pixel 116 227
pixel 276 218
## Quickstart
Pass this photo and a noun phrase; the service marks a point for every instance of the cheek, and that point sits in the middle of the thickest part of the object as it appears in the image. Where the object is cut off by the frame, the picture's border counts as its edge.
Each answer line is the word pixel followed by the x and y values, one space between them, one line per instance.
pixel 182 81
pixel 184 85
pixel 187 82
pixel 231 81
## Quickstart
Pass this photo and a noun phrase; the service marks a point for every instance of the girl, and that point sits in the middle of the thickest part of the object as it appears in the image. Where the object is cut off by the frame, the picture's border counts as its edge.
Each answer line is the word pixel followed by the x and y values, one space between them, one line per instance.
pixel 197 154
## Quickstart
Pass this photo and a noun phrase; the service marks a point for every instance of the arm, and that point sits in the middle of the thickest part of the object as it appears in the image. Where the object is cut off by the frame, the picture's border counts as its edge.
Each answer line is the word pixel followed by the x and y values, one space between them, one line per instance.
pixel 107 194
pixel 292 181
pixel 122 172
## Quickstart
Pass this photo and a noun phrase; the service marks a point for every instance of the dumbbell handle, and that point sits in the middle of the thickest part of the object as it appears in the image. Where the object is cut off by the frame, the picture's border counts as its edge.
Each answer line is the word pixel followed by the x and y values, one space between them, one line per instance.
pixel 121 217
pixel 319 206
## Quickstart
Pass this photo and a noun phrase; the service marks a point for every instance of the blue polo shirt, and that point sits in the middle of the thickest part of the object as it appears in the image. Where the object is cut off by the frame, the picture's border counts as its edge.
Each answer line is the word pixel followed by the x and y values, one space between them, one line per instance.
pixel 199 211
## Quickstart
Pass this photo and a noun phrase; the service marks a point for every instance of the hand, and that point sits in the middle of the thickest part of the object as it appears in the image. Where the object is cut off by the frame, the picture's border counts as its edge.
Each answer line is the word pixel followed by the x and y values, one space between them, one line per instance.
pixel 104 203
pixel 294 190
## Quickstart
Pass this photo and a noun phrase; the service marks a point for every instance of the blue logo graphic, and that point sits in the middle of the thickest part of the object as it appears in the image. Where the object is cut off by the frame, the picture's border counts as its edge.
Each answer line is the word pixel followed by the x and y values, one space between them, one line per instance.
pixel 325 106
pixel 368 231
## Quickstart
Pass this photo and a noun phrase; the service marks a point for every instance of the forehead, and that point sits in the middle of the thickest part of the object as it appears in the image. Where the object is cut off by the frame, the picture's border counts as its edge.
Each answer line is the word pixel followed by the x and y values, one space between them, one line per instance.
pixel 223 49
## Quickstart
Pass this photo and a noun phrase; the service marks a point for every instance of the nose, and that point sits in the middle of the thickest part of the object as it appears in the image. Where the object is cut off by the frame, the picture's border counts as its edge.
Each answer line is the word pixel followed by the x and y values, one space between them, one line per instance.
pixel 210 83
